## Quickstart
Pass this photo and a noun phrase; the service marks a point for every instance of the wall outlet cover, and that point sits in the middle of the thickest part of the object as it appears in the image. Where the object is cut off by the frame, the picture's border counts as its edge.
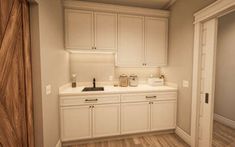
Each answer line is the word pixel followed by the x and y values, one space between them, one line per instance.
pixel 185 84
pixel 48 89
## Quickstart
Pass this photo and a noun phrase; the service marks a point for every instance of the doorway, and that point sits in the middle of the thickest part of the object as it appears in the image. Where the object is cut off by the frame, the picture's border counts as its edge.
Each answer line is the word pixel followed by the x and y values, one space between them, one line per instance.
pixel 224 110
pixel 204 71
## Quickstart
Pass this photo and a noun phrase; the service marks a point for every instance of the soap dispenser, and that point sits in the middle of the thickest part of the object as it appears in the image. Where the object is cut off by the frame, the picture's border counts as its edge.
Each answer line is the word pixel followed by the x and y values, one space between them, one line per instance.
pixel 74 80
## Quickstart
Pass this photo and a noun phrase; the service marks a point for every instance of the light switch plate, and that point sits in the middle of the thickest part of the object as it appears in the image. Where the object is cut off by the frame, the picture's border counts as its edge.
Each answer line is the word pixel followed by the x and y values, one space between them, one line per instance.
pixel 185 83
pixel 48 89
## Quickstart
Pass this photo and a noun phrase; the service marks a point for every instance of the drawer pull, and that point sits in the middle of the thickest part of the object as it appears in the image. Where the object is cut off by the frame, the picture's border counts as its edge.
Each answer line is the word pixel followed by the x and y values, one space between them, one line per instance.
pixel 91 100
pixel 151 97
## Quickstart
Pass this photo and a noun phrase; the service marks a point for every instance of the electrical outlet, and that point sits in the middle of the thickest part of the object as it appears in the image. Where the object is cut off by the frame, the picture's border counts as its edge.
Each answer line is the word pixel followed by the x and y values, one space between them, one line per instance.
pixel 48 89
pixel 185 83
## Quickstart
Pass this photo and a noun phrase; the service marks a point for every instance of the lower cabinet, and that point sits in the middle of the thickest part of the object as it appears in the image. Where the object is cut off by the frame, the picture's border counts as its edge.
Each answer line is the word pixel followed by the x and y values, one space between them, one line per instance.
pixel 100 116
pixel 83 122
pixel 106 120
pixel 135 117
pixel 163 115
pixel 76 122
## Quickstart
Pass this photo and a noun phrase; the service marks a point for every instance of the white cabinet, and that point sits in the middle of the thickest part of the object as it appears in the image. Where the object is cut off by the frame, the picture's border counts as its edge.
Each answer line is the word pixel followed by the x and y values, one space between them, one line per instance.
pixel 163 115
pixel 105 31
pixel 89 116
pixel 106 120
pixel 93 116
pixel 135 117
pixel 78 29
pixel 156 41
pixel 75 122
pixel 88 30
pixel 142 41
pixel 130 41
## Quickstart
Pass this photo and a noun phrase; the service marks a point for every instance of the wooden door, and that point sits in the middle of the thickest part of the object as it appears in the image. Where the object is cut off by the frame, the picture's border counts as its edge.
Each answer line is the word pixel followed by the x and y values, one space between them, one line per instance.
pixel 156 41
pixel 16 121
pixel 106 120
pixel 76 122
pixel 135 117
pixel 79 33
pixel 105 31
pixel 163 115
pixel 130 41
pixel 208 52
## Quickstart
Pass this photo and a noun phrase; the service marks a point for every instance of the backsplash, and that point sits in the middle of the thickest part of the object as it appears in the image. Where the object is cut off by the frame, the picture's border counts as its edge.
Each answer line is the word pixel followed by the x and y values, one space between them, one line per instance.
pixel 88 66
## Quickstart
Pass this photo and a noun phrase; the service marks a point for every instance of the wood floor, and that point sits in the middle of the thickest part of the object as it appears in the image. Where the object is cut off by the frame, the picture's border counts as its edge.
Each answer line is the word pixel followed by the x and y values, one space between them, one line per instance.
pixel 223 136
pixel 165 140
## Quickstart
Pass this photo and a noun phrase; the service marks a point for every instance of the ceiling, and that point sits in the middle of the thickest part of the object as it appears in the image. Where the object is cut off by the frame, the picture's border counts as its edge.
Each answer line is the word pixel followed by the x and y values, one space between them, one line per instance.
pixel 155 4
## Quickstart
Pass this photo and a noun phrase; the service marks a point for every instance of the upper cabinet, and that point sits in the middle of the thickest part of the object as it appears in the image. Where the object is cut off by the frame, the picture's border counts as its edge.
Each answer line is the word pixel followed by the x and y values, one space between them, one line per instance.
pixel 130 40
pixel 156 41
pixel 138 36
pixel 87 30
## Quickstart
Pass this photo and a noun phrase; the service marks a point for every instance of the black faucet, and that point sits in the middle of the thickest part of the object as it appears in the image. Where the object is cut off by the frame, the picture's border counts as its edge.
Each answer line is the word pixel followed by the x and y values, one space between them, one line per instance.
pixel 94 83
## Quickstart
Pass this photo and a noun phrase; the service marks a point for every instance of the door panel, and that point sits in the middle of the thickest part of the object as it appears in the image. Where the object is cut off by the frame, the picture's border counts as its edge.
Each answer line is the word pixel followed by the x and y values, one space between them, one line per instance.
pixel 135 117
pixel 106 120
pixel 16 123
pixel 208 52
pixel 79 29
pixel 156 31
pixel 75 122
pixel 163 115
pixel 130 41
pixel 105 31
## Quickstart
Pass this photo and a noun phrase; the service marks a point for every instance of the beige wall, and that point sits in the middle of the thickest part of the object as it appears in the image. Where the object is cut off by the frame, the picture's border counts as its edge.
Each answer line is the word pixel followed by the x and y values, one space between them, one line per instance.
pixel 102 66
pixel 53 63
pixel 225 68
pixel 181 54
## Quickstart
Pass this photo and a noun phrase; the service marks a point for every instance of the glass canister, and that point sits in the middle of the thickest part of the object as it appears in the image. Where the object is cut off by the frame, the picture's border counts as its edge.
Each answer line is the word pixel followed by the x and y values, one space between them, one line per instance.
pixel 123 80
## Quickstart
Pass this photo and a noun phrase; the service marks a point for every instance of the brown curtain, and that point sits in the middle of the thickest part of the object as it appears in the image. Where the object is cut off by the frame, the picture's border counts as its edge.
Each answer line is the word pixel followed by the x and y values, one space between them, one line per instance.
pixel 16 115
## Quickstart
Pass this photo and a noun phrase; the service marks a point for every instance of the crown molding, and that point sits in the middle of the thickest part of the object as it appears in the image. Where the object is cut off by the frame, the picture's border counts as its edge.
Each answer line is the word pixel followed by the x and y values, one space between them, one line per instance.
pixel 73 4
pixel 215 9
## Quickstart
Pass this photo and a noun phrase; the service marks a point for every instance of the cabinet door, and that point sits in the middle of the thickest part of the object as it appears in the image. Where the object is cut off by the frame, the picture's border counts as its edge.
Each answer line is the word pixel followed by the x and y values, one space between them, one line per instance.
pixel 106 120
pixel 78 29
pixel 163 115
pixel 130 41
pixel 105 31
pixel 75 123
pixel 156 41
pixel 135 117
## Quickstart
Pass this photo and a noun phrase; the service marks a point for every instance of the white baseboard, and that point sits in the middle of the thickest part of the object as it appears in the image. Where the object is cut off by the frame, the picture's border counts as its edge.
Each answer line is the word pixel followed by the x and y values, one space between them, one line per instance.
pixel 224 120
pixel 182 134
pixel 58 144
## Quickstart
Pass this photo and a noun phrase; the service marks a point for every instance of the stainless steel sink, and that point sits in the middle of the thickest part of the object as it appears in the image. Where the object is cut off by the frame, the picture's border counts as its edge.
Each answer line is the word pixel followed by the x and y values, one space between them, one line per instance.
pixel 86 89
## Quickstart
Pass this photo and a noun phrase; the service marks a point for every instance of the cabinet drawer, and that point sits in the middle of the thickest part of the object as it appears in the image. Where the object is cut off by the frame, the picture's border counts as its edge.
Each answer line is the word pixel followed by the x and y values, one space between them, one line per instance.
pixel 138 97
pixel 142 97
pixel 167 96
pixel 83 100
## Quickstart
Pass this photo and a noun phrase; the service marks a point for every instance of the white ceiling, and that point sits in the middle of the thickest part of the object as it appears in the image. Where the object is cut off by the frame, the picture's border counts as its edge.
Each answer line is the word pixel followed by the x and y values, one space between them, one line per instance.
pixel 156 4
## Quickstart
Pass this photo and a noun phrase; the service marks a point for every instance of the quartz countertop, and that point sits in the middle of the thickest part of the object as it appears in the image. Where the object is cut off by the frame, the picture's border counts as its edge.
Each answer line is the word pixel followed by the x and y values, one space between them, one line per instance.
pixel 69 91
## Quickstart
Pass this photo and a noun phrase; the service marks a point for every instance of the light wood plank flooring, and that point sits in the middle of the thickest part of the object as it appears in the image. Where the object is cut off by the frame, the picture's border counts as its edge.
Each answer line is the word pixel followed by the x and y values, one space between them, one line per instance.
pixel 223 136
pixel 164 140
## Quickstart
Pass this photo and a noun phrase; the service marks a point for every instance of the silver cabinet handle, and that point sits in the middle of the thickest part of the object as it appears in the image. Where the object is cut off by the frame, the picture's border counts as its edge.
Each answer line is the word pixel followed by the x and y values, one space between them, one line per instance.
pixel 151 97
pixel 91 100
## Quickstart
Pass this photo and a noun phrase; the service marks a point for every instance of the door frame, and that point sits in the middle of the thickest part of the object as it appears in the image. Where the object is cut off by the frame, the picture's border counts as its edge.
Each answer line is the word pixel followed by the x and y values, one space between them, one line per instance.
pixel 213 11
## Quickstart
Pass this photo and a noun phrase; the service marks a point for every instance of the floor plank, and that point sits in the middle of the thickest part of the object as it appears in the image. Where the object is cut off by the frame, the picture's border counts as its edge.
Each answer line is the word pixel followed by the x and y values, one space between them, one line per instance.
pixel 223 136
pixel 165 140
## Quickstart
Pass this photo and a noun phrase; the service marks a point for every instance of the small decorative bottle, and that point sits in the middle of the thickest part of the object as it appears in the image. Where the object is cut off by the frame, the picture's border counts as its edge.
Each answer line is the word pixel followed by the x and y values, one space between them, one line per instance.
pixel 74 80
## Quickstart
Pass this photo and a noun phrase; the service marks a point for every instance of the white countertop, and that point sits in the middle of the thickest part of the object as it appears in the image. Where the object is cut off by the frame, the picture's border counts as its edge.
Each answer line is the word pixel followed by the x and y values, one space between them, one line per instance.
pixel 69 91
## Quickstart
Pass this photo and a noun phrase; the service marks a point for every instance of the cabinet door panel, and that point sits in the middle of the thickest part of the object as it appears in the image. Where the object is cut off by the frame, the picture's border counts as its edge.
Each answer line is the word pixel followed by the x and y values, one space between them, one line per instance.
pixel 106 120
pixel 135 117
pixel 130 41
pixel 105 31
pixel 163 115
pixel 156 34
pixel 75 122
pixel 78 29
